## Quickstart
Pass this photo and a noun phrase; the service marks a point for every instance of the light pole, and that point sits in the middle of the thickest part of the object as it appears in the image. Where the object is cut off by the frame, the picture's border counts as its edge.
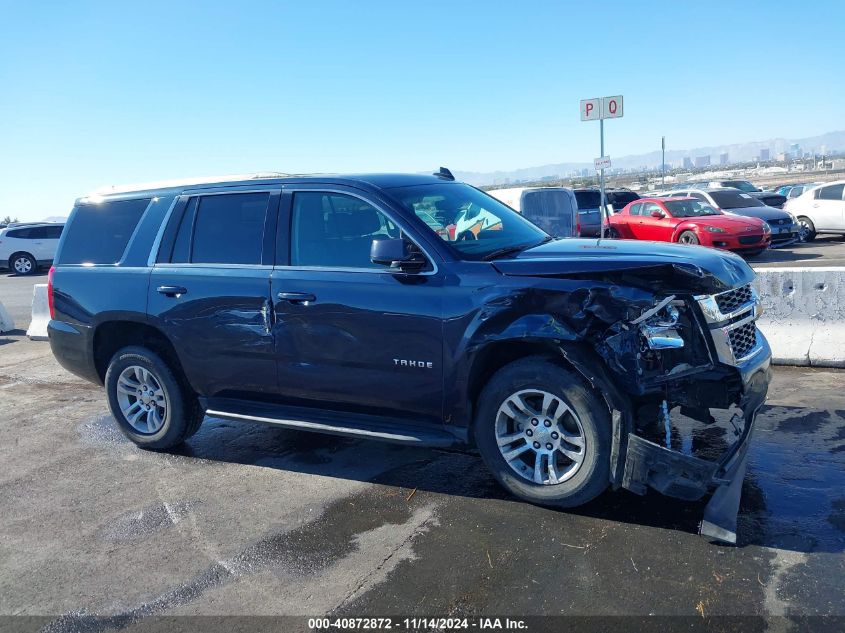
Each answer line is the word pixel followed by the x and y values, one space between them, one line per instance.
pixel 663 162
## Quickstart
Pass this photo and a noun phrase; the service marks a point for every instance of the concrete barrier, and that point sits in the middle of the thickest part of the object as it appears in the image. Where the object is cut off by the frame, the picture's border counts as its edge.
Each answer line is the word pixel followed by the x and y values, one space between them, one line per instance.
pixel 7 324
pixel 40 314
pixel 804 314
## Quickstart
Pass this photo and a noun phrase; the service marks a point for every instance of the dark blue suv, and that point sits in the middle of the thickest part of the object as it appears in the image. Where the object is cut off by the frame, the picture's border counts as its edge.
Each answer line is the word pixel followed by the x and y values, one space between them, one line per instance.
pixel 351 305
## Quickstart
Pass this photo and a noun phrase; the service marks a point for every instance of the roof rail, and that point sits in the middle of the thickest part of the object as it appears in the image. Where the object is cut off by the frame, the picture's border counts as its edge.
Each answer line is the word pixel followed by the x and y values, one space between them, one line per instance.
pixel 185 182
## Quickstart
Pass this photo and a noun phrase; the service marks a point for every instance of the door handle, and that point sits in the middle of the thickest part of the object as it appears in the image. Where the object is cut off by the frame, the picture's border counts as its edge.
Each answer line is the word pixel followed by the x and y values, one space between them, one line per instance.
pixel 172 291
pixel 296 297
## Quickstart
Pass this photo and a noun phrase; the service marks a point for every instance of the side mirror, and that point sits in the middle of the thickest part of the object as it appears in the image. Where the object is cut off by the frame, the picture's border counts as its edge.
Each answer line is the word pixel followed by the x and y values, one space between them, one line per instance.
pixel 396 253
pixel 658 214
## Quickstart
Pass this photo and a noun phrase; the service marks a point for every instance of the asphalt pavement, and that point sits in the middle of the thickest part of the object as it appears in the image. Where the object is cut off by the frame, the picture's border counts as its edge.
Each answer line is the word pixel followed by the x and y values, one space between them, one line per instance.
pixel 254 520
pixel 824 251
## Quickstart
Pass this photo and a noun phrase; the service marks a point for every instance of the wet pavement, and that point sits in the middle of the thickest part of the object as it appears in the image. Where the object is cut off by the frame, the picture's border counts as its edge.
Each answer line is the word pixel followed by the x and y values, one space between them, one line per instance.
pixel 249 520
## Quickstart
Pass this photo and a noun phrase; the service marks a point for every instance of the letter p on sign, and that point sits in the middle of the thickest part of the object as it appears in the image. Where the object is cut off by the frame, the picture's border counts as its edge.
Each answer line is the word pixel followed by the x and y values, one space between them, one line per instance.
pixel 590 109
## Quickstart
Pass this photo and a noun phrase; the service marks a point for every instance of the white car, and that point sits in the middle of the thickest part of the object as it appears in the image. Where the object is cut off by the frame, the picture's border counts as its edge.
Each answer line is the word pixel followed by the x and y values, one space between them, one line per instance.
pixel 25 247
pixel 820 210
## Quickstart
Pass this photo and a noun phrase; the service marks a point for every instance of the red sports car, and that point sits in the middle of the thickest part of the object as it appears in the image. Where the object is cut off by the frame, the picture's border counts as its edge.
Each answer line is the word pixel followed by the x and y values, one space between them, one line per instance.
pixel 690 221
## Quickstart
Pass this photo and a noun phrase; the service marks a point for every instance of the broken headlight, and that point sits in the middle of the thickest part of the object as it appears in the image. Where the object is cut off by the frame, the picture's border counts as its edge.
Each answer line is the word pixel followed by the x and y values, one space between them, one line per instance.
pixel 659 325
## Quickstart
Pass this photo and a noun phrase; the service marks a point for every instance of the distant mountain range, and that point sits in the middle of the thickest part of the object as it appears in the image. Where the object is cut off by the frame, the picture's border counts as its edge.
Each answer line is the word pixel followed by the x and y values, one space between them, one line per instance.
pixel 737 153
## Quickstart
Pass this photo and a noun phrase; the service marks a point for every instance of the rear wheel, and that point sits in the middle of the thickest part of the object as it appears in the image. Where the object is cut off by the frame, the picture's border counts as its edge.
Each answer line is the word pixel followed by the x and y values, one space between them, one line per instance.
pixel 688 237
pixel 152 407
pixel 806 230
pixel 23 264
pixel 613 234
pixel 543 434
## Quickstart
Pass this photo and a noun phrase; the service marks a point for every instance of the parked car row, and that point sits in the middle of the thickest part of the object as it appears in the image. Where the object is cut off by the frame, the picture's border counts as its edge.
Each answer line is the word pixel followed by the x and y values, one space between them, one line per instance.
pixel 27 246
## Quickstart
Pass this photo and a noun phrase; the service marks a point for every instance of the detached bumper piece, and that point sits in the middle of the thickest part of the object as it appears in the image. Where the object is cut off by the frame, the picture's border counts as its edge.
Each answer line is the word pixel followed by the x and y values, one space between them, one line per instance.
pixel 649 465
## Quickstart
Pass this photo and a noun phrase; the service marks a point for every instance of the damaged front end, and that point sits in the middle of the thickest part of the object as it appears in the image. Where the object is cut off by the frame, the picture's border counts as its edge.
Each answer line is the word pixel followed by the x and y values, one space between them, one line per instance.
pixel 697 372
pixel 669 339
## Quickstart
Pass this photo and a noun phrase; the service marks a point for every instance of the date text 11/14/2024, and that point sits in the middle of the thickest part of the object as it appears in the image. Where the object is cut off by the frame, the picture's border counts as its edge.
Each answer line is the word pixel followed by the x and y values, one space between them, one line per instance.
pixel 416 624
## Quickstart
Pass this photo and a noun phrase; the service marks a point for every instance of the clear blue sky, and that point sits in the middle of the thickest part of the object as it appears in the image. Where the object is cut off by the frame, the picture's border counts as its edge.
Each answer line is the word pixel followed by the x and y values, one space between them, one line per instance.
pixel 95 93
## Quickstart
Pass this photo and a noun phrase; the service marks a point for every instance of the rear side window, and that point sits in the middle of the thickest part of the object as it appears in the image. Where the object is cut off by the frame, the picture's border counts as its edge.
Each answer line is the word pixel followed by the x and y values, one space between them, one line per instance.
pixel 588 199
pixel 99 233
pixel 222 229
pixel 832 192
pixel 45 232
pixel 21 234
pixel 550 210
pixel 619 199
pixel 635 209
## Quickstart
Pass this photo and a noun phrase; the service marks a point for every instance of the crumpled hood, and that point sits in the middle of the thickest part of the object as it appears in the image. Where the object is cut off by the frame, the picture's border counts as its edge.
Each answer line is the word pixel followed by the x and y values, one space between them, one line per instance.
pixel 657 266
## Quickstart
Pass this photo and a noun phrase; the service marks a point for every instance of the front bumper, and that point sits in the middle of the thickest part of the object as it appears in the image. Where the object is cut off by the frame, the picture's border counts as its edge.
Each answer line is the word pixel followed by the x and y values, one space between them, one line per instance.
pixel 675 474
pixel 740 243
pixel 685 476
pixel 785 235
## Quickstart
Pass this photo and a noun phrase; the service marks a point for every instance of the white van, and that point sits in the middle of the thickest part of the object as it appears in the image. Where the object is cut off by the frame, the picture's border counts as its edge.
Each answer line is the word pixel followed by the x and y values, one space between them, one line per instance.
pixel 553 209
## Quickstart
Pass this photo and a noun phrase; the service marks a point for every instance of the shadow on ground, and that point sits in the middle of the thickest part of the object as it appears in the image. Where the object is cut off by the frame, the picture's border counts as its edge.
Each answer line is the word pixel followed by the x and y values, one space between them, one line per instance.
pixel 793 497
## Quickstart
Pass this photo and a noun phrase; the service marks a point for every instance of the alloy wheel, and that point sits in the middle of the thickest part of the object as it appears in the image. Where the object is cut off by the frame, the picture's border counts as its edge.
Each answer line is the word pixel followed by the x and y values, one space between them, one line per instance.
pixel 22 265
pixel 142 399
pixel 540 437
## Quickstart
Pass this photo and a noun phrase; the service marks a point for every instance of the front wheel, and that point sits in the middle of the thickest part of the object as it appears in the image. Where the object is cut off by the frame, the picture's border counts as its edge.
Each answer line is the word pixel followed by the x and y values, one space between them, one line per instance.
pixel 152 407
pixel 806 230
pixel 543 434
pixel 689 238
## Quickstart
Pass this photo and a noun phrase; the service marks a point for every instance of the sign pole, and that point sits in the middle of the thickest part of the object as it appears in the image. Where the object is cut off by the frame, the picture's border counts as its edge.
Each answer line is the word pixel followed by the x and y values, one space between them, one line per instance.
pixel 602 108
pixel 663 162
pixel 601 179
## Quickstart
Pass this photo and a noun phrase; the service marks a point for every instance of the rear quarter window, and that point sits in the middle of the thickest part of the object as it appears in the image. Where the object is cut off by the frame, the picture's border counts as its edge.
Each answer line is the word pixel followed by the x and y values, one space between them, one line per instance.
pixel 99 233
pixel 21 234
pixel 588 199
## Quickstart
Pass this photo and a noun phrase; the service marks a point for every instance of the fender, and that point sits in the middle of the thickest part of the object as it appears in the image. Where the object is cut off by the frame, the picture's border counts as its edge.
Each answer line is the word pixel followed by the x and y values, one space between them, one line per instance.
pixel 686 226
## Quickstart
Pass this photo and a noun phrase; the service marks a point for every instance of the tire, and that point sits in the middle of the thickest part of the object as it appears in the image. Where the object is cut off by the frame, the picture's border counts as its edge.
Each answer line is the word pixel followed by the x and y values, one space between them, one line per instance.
pixel 613 234
pixel 807 232
pixel 159 427
pixel 586 415
pixel 689 238
pixel 23 264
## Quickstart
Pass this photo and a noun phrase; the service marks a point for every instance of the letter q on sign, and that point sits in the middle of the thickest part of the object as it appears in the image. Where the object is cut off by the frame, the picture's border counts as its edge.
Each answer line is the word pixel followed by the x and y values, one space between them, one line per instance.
pixel 611 107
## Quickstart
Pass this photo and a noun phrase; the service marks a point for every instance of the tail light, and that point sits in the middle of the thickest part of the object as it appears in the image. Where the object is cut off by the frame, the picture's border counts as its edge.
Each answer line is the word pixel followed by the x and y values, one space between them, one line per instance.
pixel 50 292
pixel 578 227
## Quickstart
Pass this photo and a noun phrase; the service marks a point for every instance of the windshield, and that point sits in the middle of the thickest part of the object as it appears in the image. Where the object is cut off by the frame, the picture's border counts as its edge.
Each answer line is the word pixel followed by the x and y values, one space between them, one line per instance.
pixel 689 208
pixel 473 223
pixel 742 185
pixel 734 200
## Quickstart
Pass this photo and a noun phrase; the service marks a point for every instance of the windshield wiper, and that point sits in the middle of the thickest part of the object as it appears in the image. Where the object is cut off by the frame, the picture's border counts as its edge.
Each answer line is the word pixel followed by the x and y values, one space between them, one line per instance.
pixel 508 250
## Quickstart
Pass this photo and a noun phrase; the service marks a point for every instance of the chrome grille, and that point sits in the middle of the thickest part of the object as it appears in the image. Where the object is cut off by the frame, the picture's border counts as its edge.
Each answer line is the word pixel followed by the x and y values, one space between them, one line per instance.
pixel 743 339
pixel 729 301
